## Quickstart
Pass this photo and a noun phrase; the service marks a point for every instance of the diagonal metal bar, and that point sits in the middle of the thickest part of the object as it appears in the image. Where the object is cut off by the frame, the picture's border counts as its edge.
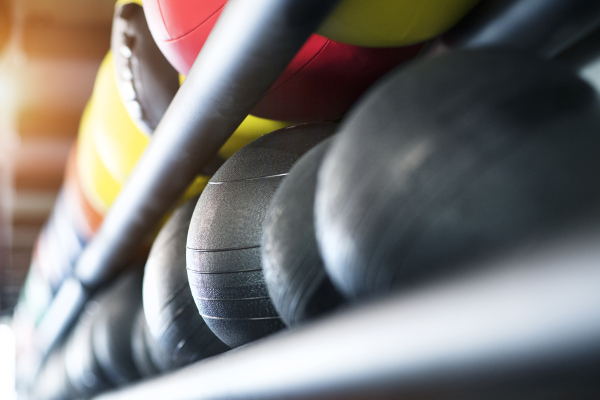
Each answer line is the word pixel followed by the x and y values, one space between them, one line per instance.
pixel 249 47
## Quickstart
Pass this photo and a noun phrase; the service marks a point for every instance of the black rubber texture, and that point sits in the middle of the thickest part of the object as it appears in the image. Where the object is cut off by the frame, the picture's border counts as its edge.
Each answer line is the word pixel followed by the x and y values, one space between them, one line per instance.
pixel 157 355
pixel 180 336
pixel 451 158
pixel 82 367
pixel 223 255
pixel 113 326
pixel 293 269
pixel 140 349
pixel 53 382
pixel 146 73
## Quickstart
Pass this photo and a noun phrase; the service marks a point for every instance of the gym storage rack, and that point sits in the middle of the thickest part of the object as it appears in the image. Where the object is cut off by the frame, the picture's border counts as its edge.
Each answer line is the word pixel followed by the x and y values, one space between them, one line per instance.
pixel 477 342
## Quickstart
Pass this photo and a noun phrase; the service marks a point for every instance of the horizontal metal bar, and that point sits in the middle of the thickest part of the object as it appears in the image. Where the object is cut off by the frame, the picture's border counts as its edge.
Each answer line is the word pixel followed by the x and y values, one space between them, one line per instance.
pixel 523 326
pixel 545 27
pixel 249 47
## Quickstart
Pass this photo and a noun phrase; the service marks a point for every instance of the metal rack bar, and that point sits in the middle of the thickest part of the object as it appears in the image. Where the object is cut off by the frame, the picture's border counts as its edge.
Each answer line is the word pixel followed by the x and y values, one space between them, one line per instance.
pixel 233 71
pixel 521 326
pixel 249 47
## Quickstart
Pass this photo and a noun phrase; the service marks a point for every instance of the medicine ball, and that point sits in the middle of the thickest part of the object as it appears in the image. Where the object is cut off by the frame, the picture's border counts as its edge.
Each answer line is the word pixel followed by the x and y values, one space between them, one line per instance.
pixel 180 335
pixel 223 244
pixel 113 325
pixel 146 80
pixel 110 144
pixel 321 82
pixel 294 272
pixel 385 23
pixel 458 156
pixel 139 346
pixel 97 183
pixel 110 131
pixel 86 219
pixel 82 366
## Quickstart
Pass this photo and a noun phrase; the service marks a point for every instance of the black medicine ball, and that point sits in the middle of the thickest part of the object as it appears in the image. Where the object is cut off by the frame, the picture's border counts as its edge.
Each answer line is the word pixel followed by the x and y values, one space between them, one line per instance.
pixel 224 254
pixel 451 158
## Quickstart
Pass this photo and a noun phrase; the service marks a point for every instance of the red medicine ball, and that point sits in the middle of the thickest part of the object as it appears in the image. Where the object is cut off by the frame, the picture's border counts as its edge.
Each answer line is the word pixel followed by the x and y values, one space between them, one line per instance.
pixel 320 83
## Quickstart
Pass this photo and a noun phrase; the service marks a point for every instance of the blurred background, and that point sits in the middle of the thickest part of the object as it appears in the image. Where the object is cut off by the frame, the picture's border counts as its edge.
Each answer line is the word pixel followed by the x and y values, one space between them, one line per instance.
pixel 51 51
pixel 50 54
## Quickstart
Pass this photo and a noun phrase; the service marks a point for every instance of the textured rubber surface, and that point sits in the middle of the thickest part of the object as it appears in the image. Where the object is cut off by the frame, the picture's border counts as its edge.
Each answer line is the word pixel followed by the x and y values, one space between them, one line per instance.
pixel 320 83
pixel 294 272
pixel 223 255
pixel 139 347
pixel 454 157
pixel 113 325
pixel 147 82
pixel 82 366
pixel 180 336
pixel 155 351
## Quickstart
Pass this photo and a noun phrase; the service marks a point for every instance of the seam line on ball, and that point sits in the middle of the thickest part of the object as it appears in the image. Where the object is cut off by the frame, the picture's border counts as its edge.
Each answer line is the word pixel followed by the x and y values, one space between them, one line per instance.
pixel 247 179
pixel 220 250
pixel 240 299
pixel 271 90
pixel 225 272
pixel 238 319
pixel 174 39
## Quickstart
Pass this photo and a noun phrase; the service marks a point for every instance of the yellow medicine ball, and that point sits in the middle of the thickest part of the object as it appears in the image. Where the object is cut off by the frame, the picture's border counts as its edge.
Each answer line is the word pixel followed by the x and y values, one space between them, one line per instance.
pixel 97 184
pixel 392 23
pixel 121 2
pixel 117 139
pixel 110 144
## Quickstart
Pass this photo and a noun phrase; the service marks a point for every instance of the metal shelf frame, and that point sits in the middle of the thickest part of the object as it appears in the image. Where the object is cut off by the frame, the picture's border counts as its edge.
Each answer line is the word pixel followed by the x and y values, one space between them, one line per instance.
pixel 234 70
pixel 525 325
pixel 429 351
